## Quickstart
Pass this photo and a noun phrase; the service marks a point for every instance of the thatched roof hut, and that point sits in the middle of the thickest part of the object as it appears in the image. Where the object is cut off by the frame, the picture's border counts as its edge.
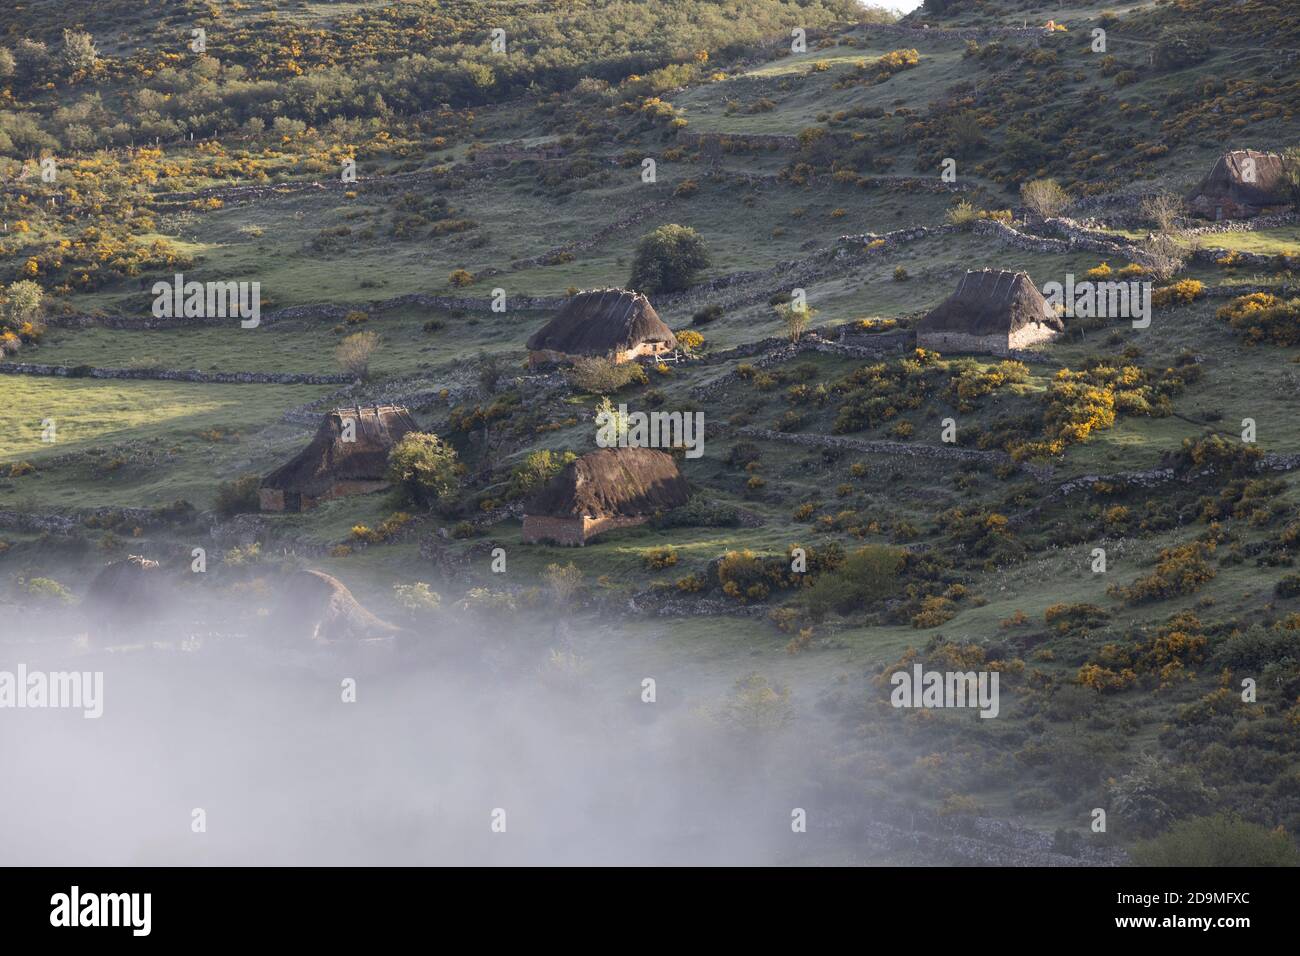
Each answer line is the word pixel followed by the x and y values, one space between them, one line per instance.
pixel 348 455
pixel 1241 183
pixel 610 323
pixel 609 488
pixel 125 596
pixel 992 311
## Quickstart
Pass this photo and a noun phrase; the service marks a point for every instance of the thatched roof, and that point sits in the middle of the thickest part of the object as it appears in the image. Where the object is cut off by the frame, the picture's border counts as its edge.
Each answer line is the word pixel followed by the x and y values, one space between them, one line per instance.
pixel 991 302
pixel 613 481
pixel 1227 178
pixel 328 458
pixel 128 582
pixel 126 596
pixel 600 321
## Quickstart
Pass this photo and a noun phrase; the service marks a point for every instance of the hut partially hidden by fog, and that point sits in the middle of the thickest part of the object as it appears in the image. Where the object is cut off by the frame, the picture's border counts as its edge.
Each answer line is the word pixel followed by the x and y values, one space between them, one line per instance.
pixel 347 456
pixel 606 323
pixel 606 489
pixel 1241 184
pixel 125 597
pixel 992 312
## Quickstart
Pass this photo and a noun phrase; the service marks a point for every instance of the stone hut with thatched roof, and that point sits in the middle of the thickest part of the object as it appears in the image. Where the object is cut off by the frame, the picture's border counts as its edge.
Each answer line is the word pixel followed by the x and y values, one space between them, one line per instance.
pixel 606 489
pixel 1241 184
pixel 606 323
pixel 992 312
pixel 347 456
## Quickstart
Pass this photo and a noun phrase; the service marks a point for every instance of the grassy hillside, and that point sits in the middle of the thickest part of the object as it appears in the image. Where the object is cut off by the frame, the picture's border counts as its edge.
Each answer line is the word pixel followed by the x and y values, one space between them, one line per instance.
pixel 818 171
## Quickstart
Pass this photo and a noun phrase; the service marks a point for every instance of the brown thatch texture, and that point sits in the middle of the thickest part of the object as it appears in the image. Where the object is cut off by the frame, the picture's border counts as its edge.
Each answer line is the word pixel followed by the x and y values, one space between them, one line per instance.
pixel 1227 179
pixel 611 482
pixel 328 458
pixel 314 606
pixel 991 303
pixel 602 321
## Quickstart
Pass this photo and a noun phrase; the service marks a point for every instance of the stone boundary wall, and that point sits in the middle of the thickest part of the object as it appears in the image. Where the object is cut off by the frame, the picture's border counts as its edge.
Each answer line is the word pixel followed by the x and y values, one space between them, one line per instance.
pixel 1253 259
pixel 68 523
pixel 892 240
pixel 957 35
pixel 1078 234
pixel 773 351
pixel 1076 238
pixel 952 453
pixel 173 375
pixel 1246 225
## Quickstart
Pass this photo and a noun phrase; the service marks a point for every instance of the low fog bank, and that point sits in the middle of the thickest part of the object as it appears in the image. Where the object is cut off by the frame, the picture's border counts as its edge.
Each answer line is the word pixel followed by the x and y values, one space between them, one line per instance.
pixel 447 727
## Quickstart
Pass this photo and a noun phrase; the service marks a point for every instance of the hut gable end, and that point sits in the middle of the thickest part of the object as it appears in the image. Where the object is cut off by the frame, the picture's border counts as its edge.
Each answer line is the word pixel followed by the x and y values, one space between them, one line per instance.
pixel 992 303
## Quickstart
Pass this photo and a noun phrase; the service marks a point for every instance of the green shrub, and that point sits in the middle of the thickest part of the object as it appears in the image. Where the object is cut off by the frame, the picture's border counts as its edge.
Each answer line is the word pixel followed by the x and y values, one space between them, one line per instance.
pixel 424 469
pixel 668 260
pixel 237 497
pixel 867 575
pixel 600 376
pixel 1219 840
pixel 48 589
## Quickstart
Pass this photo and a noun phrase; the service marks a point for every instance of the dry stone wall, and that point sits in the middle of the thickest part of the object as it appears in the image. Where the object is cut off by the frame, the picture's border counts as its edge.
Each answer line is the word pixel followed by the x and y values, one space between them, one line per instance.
pixel 171 375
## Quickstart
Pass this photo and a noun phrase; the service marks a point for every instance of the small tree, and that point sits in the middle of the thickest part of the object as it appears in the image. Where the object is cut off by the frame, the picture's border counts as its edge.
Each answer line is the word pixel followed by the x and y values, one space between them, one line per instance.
pixel 610 422
pixel 1044 197
pixel 1291 170
pixel 353 353
pixel 537 469
pixel 1164 256
pixel 489 371
pixel 238 497
pixel 794 319
pixel 79 53
pixel 963 215
pixel 563 581
pixel 424 468
pixel 22 303
pixel 1163 210
pixel 668 259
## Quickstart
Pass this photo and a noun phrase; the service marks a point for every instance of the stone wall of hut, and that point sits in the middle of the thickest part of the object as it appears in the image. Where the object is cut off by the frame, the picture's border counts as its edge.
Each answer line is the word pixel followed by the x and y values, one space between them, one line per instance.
pixel 573 532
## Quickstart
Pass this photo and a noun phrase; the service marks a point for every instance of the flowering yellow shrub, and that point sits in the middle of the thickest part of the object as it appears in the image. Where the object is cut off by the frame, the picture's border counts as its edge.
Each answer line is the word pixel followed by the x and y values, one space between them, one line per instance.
pixel 1182 292
pixel 1263 317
